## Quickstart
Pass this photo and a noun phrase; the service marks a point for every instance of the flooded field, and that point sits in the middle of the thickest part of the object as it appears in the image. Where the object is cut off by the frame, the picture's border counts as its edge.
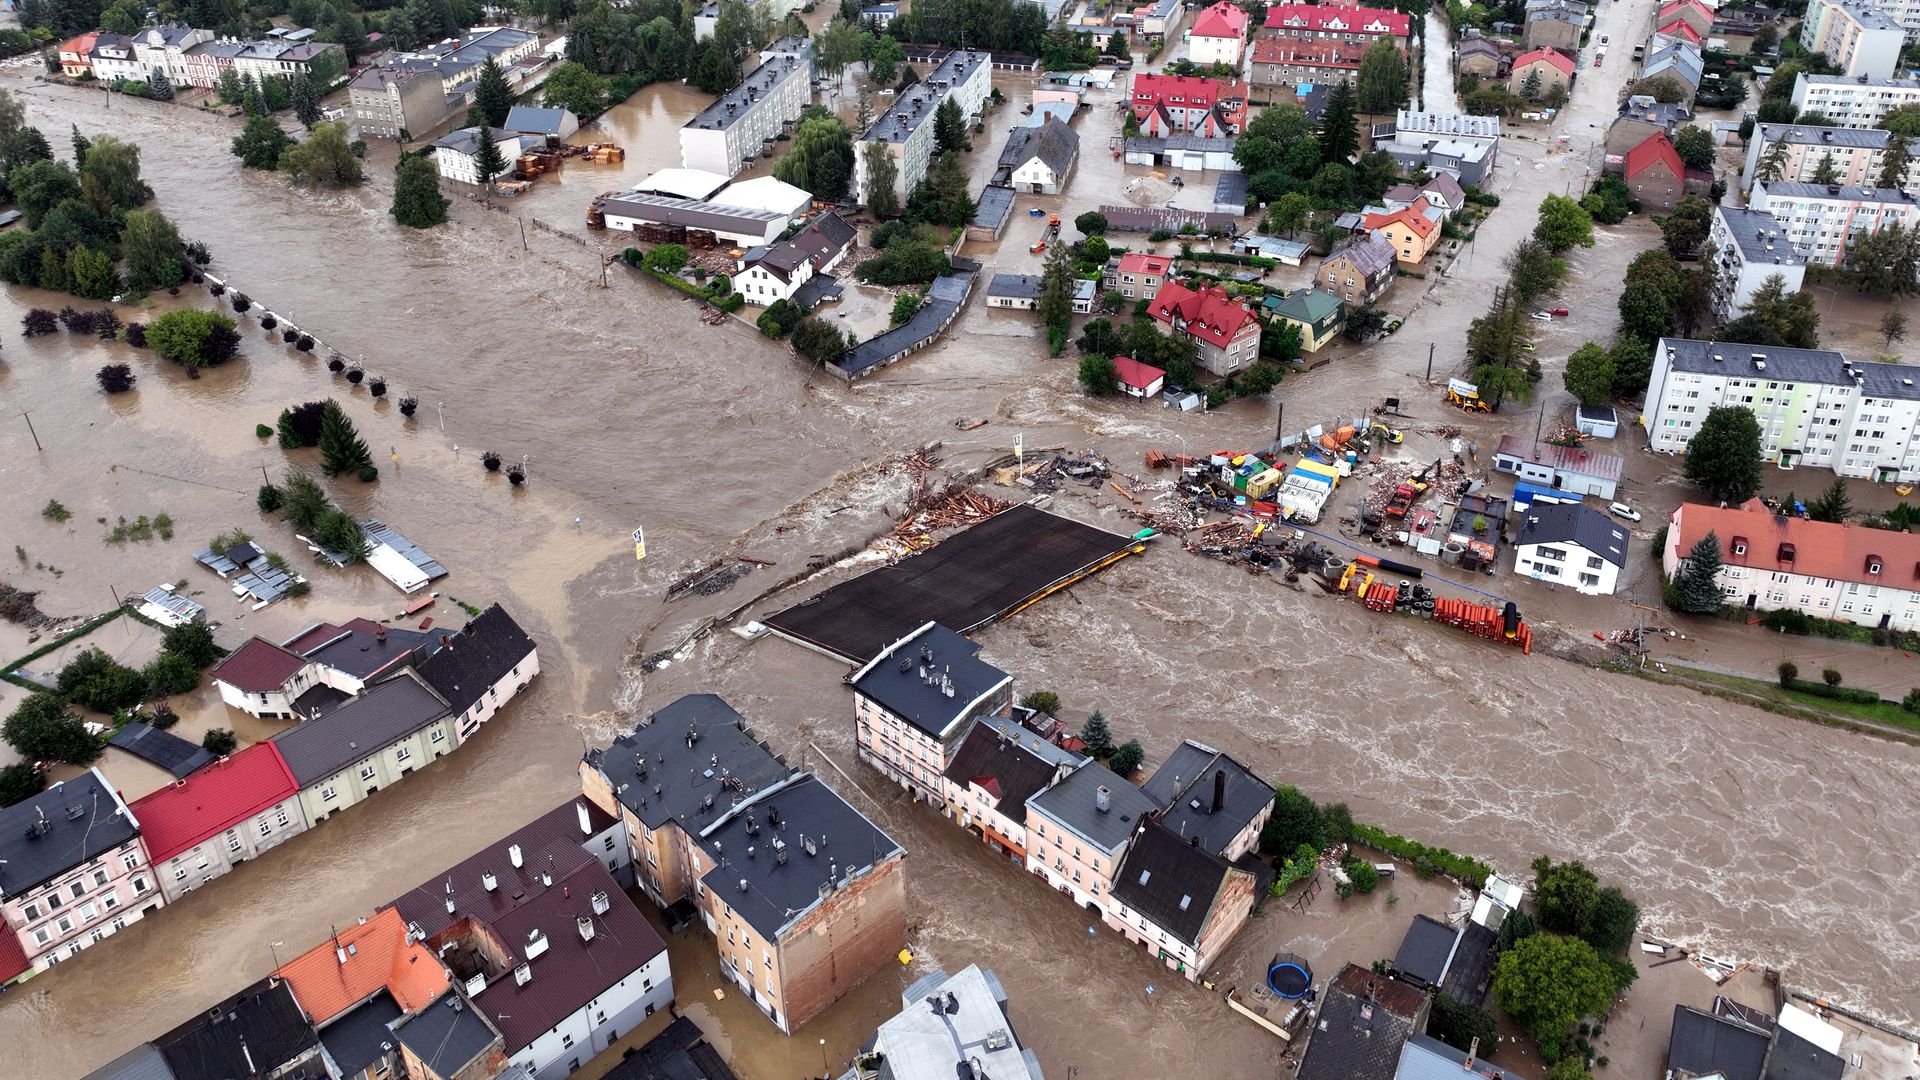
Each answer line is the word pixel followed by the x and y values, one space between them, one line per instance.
pixel 1732 827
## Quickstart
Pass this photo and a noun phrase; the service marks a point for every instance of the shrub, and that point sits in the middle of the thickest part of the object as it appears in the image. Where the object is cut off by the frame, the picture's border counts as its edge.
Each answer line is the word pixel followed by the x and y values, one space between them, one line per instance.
pixel 268 499
pixel 1789 670
pixel 163 716
pixel 290 335
pixel 304 343
pixel 368 474
pixel 19 782
pixel 377 386
pixel 356 376
pixel 44 728
pixel 408 405
pixel 268 322
pixel 1127 757
pixel 1831 676
pixel 300 425
pixel 55 511
pixel 516 475
pixel 194 642
pixel 1467 869
pixel 136 334
pixel 39 321
pixel 490 461
pixel 262 431
pixel 170 673
pixel 1365 877
pixel 1911 702
pixel 1786 621
pixel 336 364
pixel 220 742
pixel 1046 701
pixel 96 681
pixel 241 302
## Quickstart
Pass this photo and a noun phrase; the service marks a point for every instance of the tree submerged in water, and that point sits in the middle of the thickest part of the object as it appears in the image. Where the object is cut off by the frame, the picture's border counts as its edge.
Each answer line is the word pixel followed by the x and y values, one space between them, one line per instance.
pixel 516 475
pixel 115 378
pixel 408 405
pixel 268 322
pixel 39 321
pixel 377 386
pixel 290 335
pixel 355 376
pixel 490 461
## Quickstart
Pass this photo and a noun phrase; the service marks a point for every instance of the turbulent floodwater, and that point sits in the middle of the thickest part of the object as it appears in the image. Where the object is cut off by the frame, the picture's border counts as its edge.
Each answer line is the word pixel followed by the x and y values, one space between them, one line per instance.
pixel 1766 838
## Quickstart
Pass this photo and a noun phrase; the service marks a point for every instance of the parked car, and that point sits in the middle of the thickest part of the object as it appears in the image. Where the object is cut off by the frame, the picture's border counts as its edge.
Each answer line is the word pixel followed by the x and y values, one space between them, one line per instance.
pixel 1558 312
pixel 1622 510
pixel 1543 316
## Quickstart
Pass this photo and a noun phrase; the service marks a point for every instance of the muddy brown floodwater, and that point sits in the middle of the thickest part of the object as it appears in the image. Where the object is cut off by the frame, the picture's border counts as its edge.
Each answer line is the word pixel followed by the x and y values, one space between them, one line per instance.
pixel 1762 837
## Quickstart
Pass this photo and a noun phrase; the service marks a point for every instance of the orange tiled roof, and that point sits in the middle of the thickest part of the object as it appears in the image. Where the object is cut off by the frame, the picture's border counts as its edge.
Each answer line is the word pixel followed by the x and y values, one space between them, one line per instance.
pixel 1412 217
pixel 379 956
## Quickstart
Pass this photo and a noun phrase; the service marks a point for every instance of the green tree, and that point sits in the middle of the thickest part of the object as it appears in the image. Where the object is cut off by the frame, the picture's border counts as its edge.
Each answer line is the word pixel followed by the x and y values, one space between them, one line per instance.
pixel 19 782
pixel 1091 223
pixel 839 45
pixel 39 186
pixel 1833 503
pixel 942 198
pixel 1694 146
pixel 1902 120
pixel 44 728
pixel 821 157
pixel 1886 260
pixel 94 276
pixel 336 531
pixel 1281 342
pixel 230 90
pixel 572 87
pixel 1381 83
pixel 219 742
pixel 1258 380
pixel 193 338
pixel 1097 375
pixel 1826 172
pixel 1339 126
pixel 491 94
pixel 1685 229
pixel 159 87
pixel 341 448
pixel 94 680
pixel 1097 736
pixel 1056 289
pixel 1534 272
pixel 324 159
pixel 1127 757
pixel 306 99
pixel 1773 163
pixel 884 59
pixel 1548 982
pixel 153 250
pixel 1773 316
pixel 193 641
pixel 1894 162
pixel 883 177
pixel 169 674
pixel 417 202
pixel 1563 224
pixel 1530 87
pixel 1610 922
pixel 950 127
pixel 1589 374
pixel 1288 214
pixel 1632 365
pixel 488 161
pixel 904 305
pixel 1295 821
pixel 110 179
pixel 1893 326
pixel 1645 311
pixel 1459 1024
pixel 1696 588
pixel 666 259
pixel 260 144
pixel 1723 457
pixel 305 499
pixel 1564 894
pixel 80 147
pixel 1042 701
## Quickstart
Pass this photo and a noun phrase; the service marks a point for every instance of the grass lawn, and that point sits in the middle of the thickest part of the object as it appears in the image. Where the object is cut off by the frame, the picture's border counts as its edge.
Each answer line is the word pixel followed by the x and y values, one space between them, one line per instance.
pixel 1886 712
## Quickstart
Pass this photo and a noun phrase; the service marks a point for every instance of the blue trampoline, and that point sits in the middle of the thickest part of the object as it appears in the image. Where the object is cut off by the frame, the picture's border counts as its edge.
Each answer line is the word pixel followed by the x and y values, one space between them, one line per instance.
pixel 1289 976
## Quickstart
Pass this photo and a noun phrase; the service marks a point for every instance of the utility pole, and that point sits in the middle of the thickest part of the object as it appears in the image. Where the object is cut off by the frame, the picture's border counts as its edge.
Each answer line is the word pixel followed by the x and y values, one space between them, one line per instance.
pixel 523 234
pixel 1429 362
pixel 1280 422
pixel 264 478
pixel 36 435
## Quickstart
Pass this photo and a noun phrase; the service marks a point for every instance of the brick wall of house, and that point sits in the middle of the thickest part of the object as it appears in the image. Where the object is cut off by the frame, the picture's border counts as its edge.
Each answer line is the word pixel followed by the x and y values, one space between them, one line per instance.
pixel 857 932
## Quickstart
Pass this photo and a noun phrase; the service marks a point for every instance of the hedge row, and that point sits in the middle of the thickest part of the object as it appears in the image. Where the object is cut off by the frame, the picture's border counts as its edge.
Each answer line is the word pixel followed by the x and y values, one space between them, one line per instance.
pixel 733 301
pixel 80 631
pixel 1836 693
pixel 1260 261
pixel 1305 860
pixel 1426 860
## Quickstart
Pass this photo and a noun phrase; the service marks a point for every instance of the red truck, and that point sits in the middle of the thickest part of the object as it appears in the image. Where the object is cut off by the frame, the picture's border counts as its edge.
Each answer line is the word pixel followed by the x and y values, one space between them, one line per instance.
pixel 1402 500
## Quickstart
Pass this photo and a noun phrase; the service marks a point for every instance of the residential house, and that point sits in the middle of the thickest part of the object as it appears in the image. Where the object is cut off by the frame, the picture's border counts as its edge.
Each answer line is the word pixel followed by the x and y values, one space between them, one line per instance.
pixel 1480 57
pixel 114 59
pixel 73 872
pixel 1316 314
pixel 1654 174
pixel 1158 19
pixel 1292 61
pixel 1465 147
pixel 952 1025
pixel 164 48
pixel 1137 379
pixel 1823 221
pixel 1569 544
pixel 1018 291
pixel 458 153
pixel 1178 900
pixel 681 1051
pixel 1138 275
pixel 1849 101
pixel 1047 159
pixel 1640 117
pixel 479 669
pixel 1861 38
pixel 397 102
pixel 1555 24
pixel 1749 247
pixel 223 814
pixel 906 128
pixel 1675 32
pixel 1225 334
pixel 258 1032
pixel 1218 35
pixel 1166 105
pixel 263 679
pixel 356 984
pixel 913 701
pixel 1444 192
pixel 448 1040
pixel 745 121
pixel 807 894
pixel 997 767
pixel 1364 1023
pixel 1680 63
pixel 76 55
pixel 1079 829
pixel 1693 13
pixel 1588 472
pixel 1829 570
pixel 1424 1057
pixel 1410 232
pixel 547 124
pixel 341 757
pixel 1815 407
pixel 1856 156
pixel 1337 22
pixel 357 652
pixel 1735 1042
pixel 551 951
pixel 1359 271
pixel 280 58
pixel 1546 69
pixel 797 269
pixel 143 1062
pixel 1211 798
pixel 206 61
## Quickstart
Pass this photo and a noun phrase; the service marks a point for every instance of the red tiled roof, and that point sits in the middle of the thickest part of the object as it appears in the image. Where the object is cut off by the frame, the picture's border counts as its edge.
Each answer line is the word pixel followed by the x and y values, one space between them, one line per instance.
pixel 1135 262
pixel 1413 217
pixel 212 800
pixel 1570 458
pixel 1681 28
pixel 81 45
pixel 1821 549
pixel 1654 148
pixel 259 666
pixel 1136 374
pixel 1223 20
pixel 1564 63
pixel 1313 52
pixel 1694 6
pixel 1192 90
pixel 380 955
pixel 1208 314
pixel 13 958
pixel 1345 20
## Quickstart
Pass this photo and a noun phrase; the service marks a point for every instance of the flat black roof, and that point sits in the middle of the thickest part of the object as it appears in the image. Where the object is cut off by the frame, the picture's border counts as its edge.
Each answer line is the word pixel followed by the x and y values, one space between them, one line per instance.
pixel 965 582
pixel 1423 955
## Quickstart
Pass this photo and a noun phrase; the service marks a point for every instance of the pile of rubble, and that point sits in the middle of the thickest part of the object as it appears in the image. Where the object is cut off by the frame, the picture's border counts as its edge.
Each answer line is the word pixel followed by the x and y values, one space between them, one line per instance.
pixel 953 507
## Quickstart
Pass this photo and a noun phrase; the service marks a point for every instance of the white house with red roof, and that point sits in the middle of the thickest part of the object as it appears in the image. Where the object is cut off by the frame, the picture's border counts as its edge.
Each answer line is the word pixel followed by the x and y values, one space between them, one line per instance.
pixel 1548 68
pixel 263 679
pixel 1218 35
pixel 220 816
pixel 1188 104
pixel 1829 570
pixel 1362 25
pixel 1226 335
pixel 1138 379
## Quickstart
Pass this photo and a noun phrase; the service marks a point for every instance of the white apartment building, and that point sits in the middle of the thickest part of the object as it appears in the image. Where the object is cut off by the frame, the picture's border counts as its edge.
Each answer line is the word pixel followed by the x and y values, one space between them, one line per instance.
pixel 1829 570
pixel 458 152
pixel 730 133
pixel 1815 407
pixel 906 129
pixel 1821 221
pixel 1749 247
pixel 1853 101
pixel 165 47
pixel 1904 13
pixel 1857 154
pixel 1859 37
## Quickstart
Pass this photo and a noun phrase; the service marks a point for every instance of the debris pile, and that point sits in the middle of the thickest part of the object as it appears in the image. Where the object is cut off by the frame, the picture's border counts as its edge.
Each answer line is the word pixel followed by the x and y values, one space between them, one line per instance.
pixel 952 507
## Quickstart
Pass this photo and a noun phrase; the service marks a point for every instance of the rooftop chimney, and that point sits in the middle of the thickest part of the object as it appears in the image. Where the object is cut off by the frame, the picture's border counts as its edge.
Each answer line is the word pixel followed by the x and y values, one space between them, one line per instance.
pixel 488 881
pixel 477 983
pixel 523 975
pixel 586 823
pixel 1103 798
pixel 513 855
pixel 600 902
pixel 536 943
pixel 1473 1051
pixel 1219 789
pixel 585 926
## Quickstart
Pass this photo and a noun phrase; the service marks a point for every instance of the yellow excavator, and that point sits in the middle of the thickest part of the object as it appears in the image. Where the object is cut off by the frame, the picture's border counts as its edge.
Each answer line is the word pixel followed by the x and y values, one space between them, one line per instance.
pixel 1465 395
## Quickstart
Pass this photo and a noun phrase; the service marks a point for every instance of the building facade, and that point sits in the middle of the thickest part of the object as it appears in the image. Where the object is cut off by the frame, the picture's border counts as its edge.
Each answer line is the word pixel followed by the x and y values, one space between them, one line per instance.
pixel 1138 275
pixel 1570 544
pixel 457 153
pixel 1182 903
pixel 73 871
pixel 1654 173
pixel 913 702
pixel 1188 105
pixel 1316 314
pixel 1749 247
pixel 1863 38
pixel 396 102
pixel 906 128
pixel 1796 153
pixel 1226 335
pixel 1822 221
pixel 1287 60
pixel 342 758
pixel 164 48
pixel 1410 232
pixel 730 133
pixel 1359 272
pixel 219 816
pixel 1218 35
pixel 1545 69
pixel 1078 830
pixel 1828 570
pixel 1852 101
pixel 114 59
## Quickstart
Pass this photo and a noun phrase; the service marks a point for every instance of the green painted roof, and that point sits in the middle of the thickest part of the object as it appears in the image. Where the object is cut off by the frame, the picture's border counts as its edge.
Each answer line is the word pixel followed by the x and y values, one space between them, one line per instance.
pixel 1309 306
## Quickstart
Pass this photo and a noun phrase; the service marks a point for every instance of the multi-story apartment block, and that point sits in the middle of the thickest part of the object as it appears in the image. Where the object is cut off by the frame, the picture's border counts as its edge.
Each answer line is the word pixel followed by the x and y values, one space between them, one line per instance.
pixel 1359 272
pixel 906 128
pixel 1293 61
pixel 1211 798
pixel 114 59
pixel 164 48
pixel 218 817
pixel 1330 22
pixel 1226 335
pixel 1859 37
pixel 1823 221
pixel 480 668
pixel 281 58
pixel 1555 24
pixel 1795 154
pixel 913 703
pixel 318 668
pixel 1078 831
pixel 1852 101
pixel 1830 570
pixel 73 872
pixel 415 92
pixel 342 757
pixel 1749 247
pixel 1815 407
pixel 361 980
pixel 1178 900
pixel 1218 35
pixel 1138 275
pixel 995 770
pixel 730 133
pixel 804 896
pixel 204 62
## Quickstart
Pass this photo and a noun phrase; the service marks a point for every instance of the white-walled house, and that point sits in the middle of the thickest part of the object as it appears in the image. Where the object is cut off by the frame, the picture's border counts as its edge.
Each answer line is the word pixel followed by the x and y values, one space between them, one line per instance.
pixel 458 153
pixel 219 816
pixel 1828 570
pixel 263 679
pixel 1569 544
pixel 481 668
pixel 771 274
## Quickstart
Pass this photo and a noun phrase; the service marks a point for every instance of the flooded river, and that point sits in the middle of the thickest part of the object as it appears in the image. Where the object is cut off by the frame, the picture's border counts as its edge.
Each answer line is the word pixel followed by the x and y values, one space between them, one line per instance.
pixel 1766 838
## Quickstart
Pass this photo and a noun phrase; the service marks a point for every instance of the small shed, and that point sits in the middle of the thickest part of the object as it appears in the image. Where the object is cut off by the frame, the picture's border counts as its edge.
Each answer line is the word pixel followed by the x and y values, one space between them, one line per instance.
pixel 546 123
pixel 1598 421
pixel 991 214
pixel 1230 194
pixel 1584 471
pixel 1138 379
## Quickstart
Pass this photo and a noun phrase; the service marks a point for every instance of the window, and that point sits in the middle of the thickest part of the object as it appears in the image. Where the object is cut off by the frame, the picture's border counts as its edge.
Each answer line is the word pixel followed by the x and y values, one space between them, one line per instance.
pixel 327 794
pixel 33 912
pixel 1593 562
pixel 65 923
pixel 266 827
pixel 139 886
pixel 79 888
pixel 180 873
pixel 439 736
pixel 366 772
pixel 100 879
pixel 233 840
pixel 130 860
pixel 110 901
pixel 280 816
pixel 566 1043
pixel 41 936
pixel 402 754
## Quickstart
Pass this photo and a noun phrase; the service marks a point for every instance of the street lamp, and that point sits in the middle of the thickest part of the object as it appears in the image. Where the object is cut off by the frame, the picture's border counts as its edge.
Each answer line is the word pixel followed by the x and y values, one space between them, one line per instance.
pixel 826 1070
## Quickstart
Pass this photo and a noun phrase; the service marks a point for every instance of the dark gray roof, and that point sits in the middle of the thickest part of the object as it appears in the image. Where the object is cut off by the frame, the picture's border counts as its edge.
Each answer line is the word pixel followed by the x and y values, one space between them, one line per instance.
pixel 1171 882
pixel 994 207
pixel 1231 188
pixel 264 1017
pixel 526 118
pixel 723 763
pixel 1073 802
pixel 382 715
pixel 143 1062
pixel 1007 765
pixel 1427 1058
pixel 1736 360
pixel 467 140
pixel 472 661
pixel 1355 1038
pixel 445 1035
pixel 1704 1043
pixel 1559 523
pixel 1806 134
pixel 1470 975
pixel 1372 255
pixel 919 101
pixel 691 213
pixel 1780 189
pixel 1184 785
pixel 824 840
pixel 739 101
pixel 823 238
pixel 163 748
pixel 354 1038
pixel 1794 1058
pixel 681 1052
pixel 66 826
pixel 1424 951
pixel 1055 144
pixel 1759 235
pixel 362 647
pixel 944 298
pixel 1646 107
pixel 1024 286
